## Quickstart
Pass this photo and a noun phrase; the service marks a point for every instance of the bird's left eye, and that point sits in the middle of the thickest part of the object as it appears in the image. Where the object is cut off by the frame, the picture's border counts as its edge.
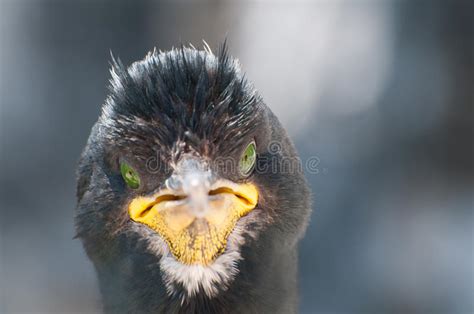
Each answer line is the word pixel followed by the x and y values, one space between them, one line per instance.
pixel 247 161
pixel 130 176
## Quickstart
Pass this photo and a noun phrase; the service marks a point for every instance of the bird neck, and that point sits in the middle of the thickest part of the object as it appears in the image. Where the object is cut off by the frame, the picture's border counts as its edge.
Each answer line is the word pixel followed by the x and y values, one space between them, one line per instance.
pixel 266 282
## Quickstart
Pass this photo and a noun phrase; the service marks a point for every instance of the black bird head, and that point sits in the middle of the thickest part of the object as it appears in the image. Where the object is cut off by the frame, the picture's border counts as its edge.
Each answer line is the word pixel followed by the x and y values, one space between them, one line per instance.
pixel 189 188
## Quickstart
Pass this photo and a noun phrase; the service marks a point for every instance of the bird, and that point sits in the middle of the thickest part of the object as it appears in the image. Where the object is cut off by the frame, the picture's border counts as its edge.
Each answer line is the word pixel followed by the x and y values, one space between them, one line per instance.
pixel 191 196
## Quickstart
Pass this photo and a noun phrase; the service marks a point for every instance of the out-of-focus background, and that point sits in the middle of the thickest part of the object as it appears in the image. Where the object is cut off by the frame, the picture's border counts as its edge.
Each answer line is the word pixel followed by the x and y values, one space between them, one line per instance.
pixel 381 92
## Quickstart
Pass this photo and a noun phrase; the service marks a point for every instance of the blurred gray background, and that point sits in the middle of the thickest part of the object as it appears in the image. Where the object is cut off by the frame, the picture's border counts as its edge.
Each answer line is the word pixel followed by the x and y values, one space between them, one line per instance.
pixel 381 92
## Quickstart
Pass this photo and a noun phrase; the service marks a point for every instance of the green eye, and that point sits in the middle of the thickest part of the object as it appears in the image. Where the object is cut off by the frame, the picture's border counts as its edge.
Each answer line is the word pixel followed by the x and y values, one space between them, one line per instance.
pixel 247 161
pixel 130 176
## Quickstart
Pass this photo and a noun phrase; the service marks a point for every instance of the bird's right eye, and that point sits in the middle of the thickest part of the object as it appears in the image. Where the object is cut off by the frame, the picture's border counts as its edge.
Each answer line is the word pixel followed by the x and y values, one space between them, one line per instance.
pixel 129 175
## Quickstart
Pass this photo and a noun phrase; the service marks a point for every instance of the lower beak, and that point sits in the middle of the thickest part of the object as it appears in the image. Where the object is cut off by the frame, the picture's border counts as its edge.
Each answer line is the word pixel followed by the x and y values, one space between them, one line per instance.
pixel 197 223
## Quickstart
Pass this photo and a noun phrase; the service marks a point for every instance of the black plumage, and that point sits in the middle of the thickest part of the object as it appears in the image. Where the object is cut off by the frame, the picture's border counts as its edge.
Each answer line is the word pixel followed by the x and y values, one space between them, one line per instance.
pixel 160 109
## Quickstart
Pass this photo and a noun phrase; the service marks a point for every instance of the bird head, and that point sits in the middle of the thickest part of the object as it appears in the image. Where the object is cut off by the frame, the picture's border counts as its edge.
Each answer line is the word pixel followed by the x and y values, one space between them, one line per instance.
pixel 185 169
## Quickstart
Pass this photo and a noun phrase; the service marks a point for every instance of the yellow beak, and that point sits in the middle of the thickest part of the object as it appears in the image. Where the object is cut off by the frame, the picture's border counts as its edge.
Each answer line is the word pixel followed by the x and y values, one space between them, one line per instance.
pixel 196 225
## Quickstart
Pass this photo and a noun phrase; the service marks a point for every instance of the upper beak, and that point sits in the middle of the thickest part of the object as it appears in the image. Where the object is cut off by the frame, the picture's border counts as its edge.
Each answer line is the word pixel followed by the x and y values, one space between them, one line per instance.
pixel 195 212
